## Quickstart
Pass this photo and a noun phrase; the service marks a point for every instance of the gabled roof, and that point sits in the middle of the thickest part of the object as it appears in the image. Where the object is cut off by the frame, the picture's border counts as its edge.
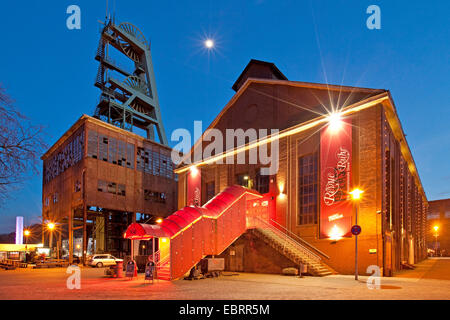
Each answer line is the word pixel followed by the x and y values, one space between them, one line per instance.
pixel 299 84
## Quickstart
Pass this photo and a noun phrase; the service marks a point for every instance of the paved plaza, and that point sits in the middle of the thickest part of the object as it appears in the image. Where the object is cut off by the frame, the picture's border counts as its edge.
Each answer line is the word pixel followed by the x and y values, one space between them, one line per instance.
pixel 430 280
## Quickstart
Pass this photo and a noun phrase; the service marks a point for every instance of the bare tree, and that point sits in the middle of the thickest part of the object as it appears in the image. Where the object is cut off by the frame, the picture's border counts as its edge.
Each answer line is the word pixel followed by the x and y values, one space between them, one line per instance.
pixel 21 144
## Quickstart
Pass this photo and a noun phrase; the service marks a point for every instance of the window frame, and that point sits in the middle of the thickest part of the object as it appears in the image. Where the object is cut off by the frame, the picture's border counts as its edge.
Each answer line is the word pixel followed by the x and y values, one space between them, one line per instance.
pixel 299 205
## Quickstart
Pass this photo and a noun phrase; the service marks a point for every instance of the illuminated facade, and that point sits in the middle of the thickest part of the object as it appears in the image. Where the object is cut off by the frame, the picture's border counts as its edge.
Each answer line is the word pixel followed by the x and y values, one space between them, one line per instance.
pixel 321 159
pixel 438 224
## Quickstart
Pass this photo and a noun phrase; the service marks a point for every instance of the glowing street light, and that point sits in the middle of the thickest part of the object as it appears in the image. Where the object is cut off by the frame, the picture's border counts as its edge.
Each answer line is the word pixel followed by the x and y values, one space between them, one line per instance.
pixel 51 226
pixel 26 233
pixel 209 43
pixel 159 220
pixel 356 195
pixel 436 228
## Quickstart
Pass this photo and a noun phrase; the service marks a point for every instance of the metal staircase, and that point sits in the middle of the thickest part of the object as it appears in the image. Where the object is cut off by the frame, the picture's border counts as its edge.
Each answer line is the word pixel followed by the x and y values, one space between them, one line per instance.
pixel 292 249
pixel 163 269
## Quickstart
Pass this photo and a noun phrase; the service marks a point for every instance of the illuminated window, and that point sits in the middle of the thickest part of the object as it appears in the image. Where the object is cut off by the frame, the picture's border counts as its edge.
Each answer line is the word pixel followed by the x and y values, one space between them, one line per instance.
pixel 244 180
pixel 307 189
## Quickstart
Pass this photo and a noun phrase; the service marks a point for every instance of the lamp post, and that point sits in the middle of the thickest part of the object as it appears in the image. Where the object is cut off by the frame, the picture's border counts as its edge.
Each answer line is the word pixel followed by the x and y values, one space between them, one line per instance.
pixel 356 195
pixel 436 228
pixel 50 228
pixel 26 233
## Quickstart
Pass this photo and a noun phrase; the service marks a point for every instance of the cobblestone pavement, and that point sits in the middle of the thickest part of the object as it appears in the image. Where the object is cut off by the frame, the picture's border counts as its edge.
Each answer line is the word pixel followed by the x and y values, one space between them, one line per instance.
pixel 430 280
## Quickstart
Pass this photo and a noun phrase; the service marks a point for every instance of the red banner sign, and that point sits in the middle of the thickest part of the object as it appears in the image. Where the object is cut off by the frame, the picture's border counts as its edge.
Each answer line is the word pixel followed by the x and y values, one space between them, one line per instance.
pixel 335 181
pixel 194 187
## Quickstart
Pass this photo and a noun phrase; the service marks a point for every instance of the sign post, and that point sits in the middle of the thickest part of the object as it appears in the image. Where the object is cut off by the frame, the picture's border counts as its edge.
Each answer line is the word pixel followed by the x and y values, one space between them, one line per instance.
pixel 356 229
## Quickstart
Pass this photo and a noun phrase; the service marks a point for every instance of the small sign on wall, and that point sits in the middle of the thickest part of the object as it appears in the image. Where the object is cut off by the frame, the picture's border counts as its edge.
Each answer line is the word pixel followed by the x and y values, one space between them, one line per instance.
pixel 372 251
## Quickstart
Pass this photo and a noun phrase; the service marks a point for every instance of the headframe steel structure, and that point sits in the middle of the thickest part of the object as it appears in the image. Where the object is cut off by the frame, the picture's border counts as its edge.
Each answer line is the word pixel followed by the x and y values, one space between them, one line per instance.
pixel 132 101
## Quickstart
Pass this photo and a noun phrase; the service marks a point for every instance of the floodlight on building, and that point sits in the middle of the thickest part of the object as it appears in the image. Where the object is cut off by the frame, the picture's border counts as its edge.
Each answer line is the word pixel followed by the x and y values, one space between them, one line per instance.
pixel 335 121
pixel 335 233
pixel 436 228
pixel 194 171
pixel 50 226
pixel 282 195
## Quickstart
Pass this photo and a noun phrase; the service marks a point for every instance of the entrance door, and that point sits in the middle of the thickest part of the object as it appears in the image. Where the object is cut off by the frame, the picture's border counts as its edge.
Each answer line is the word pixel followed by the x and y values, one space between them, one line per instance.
pixel 236 258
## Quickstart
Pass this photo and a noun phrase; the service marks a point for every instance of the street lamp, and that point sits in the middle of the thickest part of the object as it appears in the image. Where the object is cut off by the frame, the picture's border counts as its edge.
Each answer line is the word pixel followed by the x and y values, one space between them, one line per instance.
pixel 436 228
pixel 50 228
pixel 356 196
pixel 26 233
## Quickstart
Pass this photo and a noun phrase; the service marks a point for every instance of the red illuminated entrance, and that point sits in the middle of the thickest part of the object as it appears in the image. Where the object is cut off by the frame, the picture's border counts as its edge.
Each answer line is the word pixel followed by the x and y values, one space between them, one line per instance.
pixel 192 233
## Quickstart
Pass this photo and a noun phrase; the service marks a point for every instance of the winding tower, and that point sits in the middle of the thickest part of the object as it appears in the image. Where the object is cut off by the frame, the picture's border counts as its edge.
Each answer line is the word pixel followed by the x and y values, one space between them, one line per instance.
pixel 128 99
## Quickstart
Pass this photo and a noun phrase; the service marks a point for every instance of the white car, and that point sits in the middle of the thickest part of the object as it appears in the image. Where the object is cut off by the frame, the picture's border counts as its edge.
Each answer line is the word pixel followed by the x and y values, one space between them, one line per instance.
pixel 102 260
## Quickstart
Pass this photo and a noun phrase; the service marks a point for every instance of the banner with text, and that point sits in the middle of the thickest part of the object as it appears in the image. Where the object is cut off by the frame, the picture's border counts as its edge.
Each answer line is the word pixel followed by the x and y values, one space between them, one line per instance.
pixel 194 187
pixel 335 183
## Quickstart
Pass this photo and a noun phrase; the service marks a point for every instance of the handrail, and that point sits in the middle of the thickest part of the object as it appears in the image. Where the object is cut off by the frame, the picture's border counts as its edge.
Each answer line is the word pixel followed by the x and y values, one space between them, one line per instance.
pixel 301 240
pixel 292 241
pixel 162 262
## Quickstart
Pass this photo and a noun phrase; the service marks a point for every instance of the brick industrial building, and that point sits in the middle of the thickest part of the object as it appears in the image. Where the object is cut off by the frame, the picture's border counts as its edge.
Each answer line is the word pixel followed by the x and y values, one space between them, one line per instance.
pixel 368 150
pixel 438 224
pixel 98 179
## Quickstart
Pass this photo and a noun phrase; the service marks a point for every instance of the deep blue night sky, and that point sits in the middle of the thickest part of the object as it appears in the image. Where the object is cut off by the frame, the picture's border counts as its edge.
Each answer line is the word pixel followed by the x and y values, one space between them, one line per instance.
pixel 49 70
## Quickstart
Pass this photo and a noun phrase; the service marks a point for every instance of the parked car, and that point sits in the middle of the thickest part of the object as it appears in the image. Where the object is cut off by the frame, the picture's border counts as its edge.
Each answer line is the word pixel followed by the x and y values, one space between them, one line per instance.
pixel 103 260
pixel 75 259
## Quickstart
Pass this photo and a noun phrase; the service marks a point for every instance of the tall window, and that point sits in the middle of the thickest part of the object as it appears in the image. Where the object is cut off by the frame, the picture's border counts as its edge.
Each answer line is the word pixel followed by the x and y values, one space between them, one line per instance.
pixel 307 189
pixel 262 183
pixel 210 190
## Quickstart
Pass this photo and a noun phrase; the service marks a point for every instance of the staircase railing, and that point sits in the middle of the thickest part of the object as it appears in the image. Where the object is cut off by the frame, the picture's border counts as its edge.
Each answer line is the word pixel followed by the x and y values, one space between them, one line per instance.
pixel 297 238
pixel 162 262
pixel 287 239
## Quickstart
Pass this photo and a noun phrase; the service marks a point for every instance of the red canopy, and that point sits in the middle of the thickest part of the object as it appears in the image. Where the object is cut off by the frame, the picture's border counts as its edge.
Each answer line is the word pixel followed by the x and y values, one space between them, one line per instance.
pixel 140 231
